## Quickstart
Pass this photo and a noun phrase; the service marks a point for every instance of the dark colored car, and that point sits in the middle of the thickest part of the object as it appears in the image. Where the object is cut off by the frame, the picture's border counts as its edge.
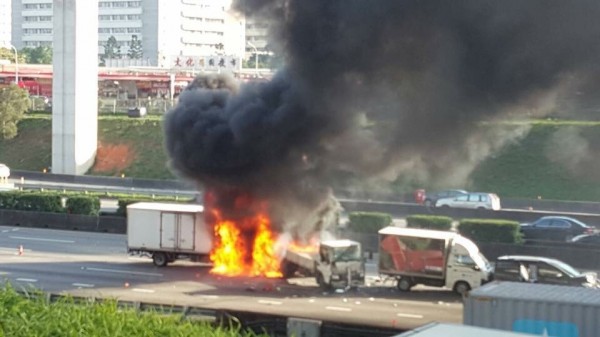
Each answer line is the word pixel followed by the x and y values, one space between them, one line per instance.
pixel 431 198
pixel 587 240
pixel 555 228
pixel 536 269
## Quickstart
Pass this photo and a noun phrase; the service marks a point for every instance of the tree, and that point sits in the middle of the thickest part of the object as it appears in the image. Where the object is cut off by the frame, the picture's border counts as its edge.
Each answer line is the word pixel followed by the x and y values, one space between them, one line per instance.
pixel 14 102
pixel 112 49
pixel 135 48
pixel 38 55
pixel 9 54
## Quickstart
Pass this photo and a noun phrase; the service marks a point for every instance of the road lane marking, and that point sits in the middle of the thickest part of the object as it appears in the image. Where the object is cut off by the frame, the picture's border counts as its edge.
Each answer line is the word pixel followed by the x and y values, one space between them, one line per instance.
pixel 83 285
pixel 141 290
pixel 30 280
pixel 117 271
pixel 338 309
pixel 409 315
pixel 270 302
pixel 211 297
pixel 40 239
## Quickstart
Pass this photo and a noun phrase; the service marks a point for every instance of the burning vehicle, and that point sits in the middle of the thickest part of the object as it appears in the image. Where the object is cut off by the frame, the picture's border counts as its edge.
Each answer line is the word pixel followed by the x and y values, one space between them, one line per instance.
pixel 368 94
pixel 245 247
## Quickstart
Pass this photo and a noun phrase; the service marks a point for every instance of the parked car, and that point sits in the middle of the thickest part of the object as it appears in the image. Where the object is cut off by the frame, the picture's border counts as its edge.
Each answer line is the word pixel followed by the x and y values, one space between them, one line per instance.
pixel 537 269
pixel 555 228
pixel 587 239
pixel 432 198
pixel 473 200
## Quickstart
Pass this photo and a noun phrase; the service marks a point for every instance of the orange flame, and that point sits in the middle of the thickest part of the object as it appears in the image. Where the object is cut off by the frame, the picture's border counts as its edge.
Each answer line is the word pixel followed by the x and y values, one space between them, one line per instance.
pixel 245 252
pixel 311 247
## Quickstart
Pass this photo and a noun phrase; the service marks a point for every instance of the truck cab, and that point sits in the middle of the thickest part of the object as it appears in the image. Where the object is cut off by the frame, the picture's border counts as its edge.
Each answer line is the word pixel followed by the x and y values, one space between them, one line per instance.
pixel 466 268
pixel 340 264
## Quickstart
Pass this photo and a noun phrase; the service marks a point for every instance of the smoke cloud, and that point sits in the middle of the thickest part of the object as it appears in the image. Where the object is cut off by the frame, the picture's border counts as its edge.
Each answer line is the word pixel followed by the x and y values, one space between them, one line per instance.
pixel 376 89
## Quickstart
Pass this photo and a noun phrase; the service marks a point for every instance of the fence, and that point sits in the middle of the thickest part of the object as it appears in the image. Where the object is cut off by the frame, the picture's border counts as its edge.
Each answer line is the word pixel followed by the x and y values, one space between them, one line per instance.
pixel 155 106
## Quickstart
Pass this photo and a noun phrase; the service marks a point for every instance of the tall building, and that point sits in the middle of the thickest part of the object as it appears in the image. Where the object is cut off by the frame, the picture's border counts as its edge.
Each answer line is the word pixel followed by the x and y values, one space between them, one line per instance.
pixel 168 29
pixel 5 22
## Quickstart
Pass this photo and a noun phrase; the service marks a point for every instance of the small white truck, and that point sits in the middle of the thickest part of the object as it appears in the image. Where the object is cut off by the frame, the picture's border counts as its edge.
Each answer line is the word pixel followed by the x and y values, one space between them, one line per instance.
pixel 436 258
pixel 168 231
pixel 334 264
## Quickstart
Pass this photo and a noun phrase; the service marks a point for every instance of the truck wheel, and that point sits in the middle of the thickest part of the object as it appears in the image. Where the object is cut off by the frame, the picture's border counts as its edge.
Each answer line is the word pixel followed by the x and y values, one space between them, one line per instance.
pixel 160 259
pixel 404 284
pixel 462 288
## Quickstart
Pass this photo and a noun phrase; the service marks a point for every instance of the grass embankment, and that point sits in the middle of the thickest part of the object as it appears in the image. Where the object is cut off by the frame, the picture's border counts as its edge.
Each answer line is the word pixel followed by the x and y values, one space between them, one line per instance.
pixel 129 146
pixel 554 161
pixel 35 316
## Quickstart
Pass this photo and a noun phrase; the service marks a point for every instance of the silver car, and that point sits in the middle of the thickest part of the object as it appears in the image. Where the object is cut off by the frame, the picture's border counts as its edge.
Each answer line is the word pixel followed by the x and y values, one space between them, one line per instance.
pixel 473 200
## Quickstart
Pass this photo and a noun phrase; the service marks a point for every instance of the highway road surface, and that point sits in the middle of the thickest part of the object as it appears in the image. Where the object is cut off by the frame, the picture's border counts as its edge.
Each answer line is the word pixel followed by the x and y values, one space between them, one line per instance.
pixel 97 264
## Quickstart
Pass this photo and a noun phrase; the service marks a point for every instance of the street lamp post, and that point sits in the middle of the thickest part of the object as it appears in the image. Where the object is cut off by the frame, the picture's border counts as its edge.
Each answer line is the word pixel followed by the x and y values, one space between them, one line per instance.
pixel 255 58
pixel 16 64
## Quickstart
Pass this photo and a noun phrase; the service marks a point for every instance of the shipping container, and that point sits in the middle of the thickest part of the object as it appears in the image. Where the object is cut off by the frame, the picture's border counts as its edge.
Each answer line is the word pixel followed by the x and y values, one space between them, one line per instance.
pixel 456 330
pixel 538 309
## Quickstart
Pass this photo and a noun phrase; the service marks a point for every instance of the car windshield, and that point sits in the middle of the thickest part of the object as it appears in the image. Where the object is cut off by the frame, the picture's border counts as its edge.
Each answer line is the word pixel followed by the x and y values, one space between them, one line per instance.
pixel 567 269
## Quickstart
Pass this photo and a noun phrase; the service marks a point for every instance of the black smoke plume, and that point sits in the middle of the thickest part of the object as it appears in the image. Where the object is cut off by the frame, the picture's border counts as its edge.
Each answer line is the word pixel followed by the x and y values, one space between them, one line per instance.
pixel 375 88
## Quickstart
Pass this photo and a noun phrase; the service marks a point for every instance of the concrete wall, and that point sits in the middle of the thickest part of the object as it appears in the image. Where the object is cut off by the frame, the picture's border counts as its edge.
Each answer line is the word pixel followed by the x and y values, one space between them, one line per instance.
pixel 75 86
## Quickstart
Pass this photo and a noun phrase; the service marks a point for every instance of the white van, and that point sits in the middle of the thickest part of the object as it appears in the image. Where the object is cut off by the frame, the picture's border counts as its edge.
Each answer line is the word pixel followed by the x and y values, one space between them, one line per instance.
pixel 472 200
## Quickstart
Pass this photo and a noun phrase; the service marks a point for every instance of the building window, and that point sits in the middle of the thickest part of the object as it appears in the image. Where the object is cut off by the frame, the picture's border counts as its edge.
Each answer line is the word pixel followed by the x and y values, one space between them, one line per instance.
pixel 46 18
pixel 104 17
pixel 104 30
pixel 45 6
pixel 133 4
pixel 119 4
pixel 30 6
pixel 31 19
pixel 45 31
pixel 119 30
pixel 133 17
pixel 134 30
pixel 119 17
pixel 103 4
pixel 214 20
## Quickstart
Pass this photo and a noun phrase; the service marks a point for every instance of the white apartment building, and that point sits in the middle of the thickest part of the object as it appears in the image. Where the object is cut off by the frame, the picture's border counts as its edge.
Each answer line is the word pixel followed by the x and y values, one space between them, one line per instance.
pixel 5 22
pixel 168 29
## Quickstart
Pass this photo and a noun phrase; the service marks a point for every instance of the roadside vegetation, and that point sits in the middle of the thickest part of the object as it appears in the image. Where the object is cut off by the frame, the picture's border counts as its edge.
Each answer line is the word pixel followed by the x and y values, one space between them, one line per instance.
pixel 554 161
pixel 33 314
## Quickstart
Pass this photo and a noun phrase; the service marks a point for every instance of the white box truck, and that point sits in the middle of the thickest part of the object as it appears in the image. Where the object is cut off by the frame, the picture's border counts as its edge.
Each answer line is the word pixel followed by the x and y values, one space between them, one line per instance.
pixel 537 309
pixel 168 231
pixel 431 257
pixel 333 263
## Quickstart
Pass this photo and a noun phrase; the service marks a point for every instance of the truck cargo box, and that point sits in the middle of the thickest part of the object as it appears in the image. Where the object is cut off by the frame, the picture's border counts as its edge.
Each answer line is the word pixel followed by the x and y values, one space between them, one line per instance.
pixel 168 227
pixel 408 251
pixel 538 309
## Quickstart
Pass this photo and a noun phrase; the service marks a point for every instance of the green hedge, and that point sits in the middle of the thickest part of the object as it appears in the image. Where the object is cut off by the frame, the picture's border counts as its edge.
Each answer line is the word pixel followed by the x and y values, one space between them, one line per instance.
pixel 8 199
pixel 436 222
pixel 490 230
pixel 39 202
pixel 368 222
pixel 83 204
